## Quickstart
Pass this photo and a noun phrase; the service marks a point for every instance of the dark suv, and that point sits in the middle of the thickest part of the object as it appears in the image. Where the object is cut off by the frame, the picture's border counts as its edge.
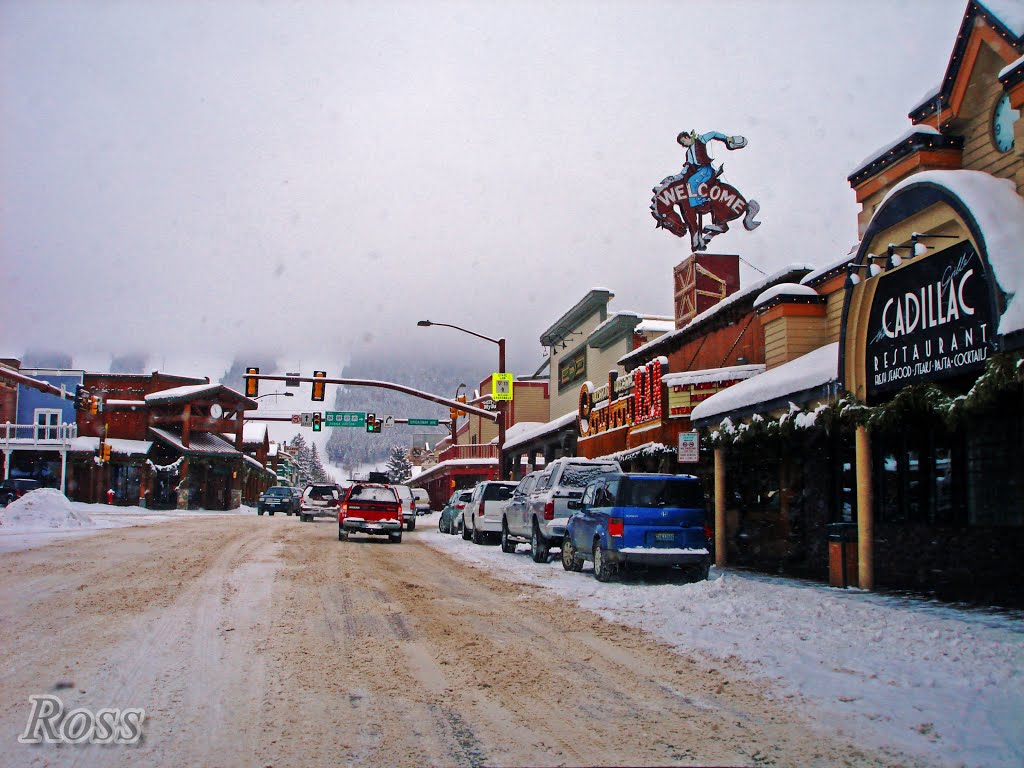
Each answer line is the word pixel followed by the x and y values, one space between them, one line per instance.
pixel 279 498
pixel 16 487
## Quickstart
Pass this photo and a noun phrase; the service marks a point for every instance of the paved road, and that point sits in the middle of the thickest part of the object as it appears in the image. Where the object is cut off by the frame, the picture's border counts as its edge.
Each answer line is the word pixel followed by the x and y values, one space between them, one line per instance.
pixel 267 642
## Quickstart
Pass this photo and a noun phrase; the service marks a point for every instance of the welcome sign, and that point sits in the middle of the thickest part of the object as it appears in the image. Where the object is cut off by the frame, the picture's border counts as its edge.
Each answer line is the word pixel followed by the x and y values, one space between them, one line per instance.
pixel 929 320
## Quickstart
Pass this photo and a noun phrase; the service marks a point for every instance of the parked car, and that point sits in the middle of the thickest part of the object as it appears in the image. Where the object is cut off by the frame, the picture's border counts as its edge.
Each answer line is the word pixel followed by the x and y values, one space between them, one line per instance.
pixel 648 520
pixel 451 515
pixel 481 517
pixel 13 488
pixel 319 500
pixel 278 498
pixel 408 506
pixel 538 511
pixel 422 499
pixel 370 508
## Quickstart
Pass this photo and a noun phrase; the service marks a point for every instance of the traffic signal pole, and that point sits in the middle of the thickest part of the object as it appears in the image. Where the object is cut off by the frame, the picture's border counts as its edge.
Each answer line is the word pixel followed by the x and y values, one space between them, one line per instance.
pixel 490 415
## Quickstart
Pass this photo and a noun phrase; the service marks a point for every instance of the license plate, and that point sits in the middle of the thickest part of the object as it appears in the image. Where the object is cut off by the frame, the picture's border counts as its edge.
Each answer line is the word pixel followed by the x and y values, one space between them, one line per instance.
pixel 667 537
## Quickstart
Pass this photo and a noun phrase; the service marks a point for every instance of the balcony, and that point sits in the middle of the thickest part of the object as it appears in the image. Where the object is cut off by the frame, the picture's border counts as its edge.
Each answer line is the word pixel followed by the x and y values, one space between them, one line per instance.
pixel 477 451
pixel 37 437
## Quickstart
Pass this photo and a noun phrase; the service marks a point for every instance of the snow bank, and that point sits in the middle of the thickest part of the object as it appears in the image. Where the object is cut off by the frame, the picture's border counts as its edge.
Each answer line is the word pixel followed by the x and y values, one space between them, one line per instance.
pixel 43 508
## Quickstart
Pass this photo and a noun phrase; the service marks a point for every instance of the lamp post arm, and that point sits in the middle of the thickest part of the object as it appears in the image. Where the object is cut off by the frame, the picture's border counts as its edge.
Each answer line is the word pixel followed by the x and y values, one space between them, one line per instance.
pixel 471 333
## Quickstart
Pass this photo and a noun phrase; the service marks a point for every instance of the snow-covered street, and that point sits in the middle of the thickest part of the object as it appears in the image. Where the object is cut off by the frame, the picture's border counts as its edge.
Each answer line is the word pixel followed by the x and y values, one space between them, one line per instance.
pixel 236 632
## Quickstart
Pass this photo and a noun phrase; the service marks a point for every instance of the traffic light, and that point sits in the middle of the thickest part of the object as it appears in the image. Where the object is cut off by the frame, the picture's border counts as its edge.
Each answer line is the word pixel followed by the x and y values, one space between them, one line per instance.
pixel 372 424
pixel 105 452
pixel 94 404
pixel 81 398
pixel 318 386
pixel 252 386
pixel 317 426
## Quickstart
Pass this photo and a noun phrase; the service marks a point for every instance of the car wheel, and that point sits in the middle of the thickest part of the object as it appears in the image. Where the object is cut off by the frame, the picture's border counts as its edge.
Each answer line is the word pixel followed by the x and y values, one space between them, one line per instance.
pixel 289 513
pixel 270 513
pixel 507 545
pixel 603 570
pixel 538 546
pixel 465 531
pixel 570 560
pixel 412 524
pixel 478 536
pixel 395 538
pixel 440 526
pixel 699 572
pixel 259 512
pixel 342 535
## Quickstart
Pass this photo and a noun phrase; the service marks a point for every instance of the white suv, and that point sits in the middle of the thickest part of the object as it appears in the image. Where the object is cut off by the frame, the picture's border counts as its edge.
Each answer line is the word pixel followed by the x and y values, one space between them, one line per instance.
pixel 481 517
pixel 539 507
pixel 408 506
pixel 422 501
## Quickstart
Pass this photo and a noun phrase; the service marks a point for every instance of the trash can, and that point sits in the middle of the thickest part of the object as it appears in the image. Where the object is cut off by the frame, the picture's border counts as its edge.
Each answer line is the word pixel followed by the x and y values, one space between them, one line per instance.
pixel 842 554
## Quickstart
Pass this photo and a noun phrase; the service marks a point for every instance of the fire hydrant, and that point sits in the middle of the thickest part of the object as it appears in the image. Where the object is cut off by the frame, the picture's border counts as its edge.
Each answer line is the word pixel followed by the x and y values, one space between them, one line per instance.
pixel 110 496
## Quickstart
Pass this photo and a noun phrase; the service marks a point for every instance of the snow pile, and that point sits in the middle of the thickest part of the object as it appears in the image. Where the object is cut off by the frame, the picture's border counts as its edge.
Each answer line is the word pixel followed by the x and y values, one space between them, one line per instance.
pixel 43 508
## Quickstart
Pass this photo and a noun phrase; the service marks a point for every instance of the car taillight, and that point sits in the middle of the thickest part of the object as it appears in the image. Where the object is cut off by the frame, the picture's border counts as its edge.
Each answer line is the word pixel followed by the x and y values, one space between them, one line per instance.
pixel 549 510
pixel 344 510
pixel 708 533
pixel 480 511
pixel 615 526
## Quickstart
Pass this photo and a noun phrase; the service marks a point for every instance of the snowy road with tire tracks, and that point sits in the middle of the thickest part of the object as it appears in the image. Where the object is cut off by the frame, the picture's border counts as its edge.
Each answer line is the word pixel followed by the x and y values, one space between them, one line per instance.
pixel 267 642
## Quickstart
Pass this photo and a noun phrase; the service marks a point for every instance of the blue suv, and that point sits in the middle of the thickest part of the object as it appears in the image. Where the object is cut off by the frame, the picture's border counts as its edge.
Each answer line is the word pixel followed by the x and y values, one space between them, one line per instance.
pixel 635 519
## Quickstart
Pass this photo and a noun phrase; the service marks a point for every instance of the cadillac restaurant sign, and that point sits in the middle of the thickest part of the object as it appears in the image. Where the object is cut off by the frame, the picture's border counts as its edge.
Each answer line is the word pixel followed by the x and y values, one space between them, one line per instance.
pixel 929 320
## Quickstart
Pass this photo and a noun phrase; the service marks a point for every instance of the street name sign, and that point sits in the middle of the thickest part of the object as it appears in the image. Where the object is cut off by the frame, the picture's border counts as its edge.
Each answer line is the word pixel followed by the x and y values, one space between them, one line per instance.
pixel 422 422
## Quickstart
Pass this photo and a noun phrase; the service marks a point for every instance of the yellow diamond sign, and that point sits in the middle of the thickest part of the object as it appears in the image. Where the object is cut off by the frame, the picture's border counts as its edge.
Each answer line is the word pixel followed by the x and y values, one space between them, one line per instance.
pixel 501 386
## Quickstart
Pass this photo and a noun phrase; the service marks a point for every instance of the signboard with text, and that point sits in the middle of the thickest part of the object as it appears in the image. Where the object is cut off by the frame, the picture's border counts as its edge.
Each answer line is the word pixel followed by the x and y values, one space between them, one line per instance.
pixel 689 447
pixel 501 386
pixel 345 419
pixel 930 319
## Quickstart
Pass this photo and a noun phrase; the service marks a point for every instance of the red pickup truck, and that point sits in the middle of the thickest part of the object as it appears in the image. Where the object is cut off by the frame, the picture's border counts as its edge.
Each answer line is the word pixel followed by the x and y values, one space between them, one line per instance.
pixel 371 508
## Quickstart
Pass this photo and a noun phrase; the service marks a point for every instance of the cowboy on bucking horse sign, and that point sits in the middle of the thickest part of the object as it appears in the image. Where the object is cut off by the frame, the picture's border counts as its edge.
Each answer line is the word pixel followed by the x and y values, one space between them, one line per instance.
pixel 680 201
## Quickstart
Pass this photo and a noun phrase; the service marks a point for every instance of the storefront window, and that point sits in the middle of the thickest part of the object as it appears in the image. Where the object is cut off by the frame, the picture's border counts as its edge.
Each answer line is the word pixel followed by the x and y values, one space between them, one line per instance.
pixel 995 469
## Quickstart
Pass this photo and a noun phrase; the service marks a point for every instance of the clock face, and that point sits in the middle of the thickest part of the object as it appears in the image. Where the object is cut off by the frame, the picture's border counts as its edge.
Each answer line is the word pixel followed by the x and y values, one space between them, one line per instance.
pixel 216 411
pixel 1003 118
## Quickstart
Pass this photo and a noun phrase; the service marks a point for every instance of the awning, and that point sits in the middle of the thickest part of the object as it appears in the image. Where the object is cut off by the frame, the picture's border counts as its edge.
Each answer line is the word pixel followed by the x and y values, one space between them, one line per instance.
pixel 201 444
pixel 809 377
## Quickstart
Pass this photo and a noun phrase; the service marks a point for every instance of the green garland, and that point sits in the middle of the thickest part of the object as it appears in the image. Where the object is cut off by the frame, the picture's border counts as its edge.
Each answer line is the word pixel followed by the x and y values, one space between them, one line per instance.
pixel 1004 374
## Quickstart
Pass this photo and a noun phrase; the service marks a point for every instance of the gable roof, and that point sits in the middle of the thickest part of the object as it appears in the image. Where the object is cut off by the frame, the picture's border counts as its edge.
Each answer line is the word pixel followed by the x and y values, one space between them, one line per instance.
pixel 1005 19
pixel 197 391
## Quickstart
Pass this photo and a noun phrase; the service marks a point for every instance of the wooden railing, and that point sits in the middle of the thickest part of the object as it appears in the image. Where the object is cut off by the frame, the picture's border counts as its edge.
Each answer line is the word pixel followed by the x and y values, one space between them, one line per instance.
pixel 477 451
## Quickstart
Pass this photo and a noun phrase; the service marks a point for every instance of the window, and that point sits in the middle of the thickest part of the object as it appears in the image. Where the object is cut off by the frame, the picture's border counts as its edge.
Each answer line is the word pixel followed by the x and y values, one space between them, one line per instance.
pixel 662 493
pixel 47 423
pixel 588 495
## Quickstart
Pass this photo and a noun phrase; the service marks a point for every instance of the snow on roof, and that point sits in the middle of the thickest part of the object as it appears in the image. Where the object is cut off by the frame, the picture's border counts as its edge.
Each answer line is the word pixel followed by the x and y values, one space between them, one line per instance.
pixel 1010 12
pixel 784 289
pixel 199 443
pixel 877 154
pixel 999 212
pixel 707 314
pixel 651 325
pixel 254 432
pixel 1010 67
pixel 540 431
pixel 124 403
pixel 730 373
pixel 118 446
pixel 521 427
pixel 456 463
pixel 815 369
pixel 176 393
pixel 810 277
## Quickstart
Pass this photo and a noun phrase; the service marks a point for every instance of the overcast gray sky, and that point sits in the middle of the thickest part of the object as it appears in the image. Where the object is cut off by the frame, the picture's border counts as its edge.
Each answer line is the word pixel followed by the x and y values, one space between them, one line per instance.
pixel 200 180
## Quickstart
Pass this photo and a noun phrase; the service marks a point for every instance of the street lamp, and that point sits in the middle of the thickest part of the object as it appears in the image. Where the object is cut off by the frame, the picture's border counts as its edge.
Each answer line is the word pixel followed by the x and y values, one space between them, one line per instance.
pixel 274 394
pixel 501 369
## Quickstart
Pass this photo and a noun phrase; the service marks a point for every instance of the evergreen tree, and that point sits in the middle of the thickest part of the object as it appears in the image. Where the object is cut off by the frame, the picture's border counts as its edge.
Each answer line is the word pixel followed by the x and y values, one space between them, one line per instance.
pixel 399 466
pixel 304 460
pixel 317 467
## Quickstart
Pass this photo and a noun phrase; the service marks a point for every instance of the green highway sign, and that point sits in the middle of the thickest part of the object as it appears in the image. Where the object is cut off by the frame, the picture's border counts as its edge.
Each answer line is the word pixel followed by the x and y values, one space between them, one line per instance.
pixel 345 419
pixel 422 422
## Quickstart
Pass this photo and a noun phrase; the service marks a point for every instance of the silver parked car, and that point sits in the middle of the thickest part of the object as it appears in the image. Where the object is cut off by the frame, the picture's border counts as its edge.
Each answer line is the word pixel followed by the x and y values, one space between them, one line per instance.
pixel 539 508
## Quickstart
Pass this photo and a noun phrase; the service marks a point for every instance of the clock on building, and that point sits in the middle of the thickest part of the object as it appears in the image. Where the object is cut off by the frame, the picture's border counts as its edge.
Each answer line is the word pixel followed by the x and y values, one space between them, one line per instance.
pixel 216 411
pixel 1003 118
